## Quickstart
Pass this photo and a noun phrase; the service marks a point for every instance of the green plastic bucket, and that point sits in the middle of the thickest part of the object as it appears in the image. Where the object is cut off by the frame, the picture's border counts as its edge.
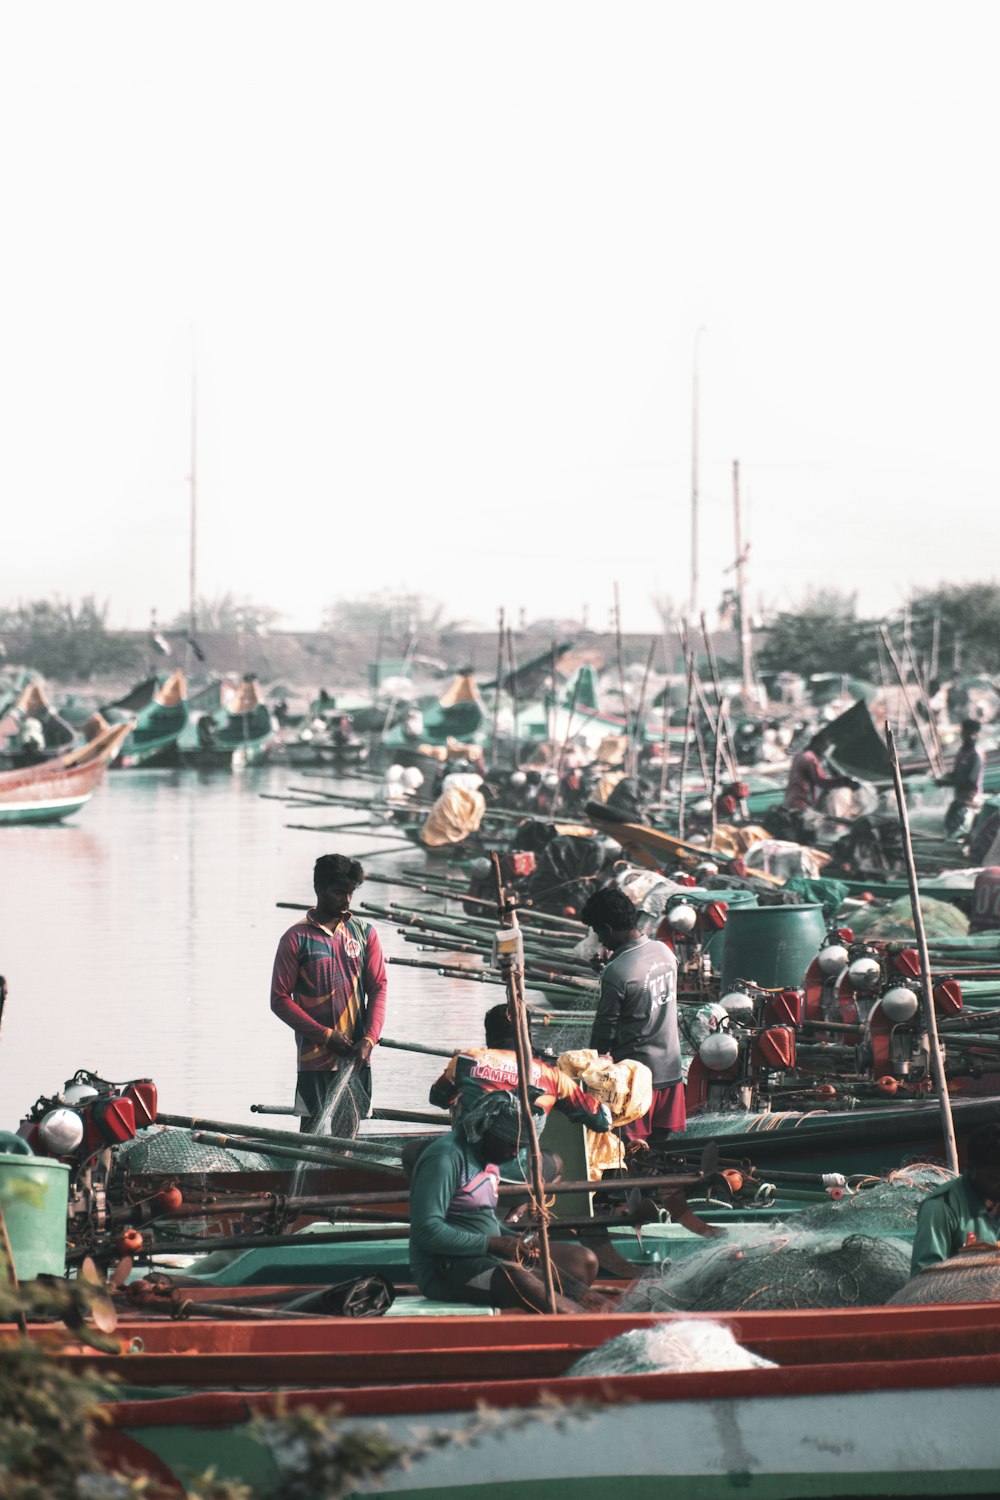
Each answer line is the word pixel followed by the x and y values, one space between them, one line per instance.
pixel 34 1192
pixel 772 946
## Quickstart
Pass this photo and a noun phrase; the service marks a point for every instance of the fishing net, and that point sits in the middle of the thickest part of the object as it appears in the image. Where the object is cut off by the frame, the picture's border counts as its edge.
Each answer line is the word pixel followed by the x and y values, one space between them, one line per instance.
pixel 775 1268
pixel 566 873
pixel 895 920
pixel 164 1149
pixel 971 1276
pixel 679 1346
pixel 848 1252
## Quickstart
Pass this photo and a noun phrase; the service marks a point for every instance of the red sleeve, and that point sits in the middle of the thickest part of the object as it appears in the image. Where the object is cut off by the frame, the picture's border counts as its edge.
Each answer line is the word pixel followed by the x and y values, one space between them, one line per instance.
pixel 375 987
pixel 283 979
pixel 817 775
pixel 572 1100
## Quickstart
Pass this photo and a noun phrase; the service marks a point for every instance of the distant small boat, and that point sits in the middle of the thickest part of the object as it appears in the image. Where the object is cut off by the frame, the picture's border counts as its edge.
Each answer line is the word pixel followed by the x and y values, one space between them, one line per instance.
pixel 159 708
pixel 31 732
pixel 59 787
pixel 239 732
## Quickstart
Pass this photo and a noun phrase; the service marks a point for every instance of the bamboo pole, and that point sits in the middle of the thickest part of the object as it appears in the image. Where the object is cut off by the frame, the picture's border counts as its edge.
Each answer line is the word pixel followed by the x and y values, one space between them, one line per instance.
pixel 564 747
pixel 930 1017
pixel 637 723
pixel 898 668
pixel 689 660
pixel 511 967
pixel 728 749
pixel 715 772
pixel 930 720
pixel 665 723
pixel 512 677
pixel 629 770
pixel 267 1133
pixel 495 737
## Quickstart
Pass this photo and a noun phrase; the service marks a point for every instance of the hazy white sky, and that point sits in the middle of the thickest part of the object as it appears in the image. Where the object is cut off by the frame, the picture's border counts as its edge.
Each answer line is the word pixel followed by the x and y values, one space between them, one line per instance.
pixel 446 263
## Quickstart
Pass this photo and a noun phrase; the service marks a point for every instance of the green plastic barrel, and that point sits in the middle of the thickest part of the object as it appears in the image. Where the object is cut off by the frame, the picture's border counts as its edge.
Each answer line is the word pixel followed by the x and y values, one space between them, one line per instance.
pixel 34 1192
pixel 771 946
pixel 737 897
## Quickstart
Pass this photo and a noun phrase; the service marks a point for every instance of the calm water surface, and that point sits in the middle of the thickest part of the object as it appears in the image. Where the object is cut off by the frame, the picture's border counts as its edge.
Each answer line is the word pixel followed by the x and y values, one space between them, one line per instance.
pixel 138 938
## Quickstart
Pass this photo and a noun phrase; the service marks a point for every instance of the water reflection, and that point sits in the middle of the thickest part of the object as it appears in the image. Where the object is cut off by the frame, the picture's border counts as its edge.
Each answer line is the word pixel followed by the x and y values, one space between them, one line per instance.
pixel 138 940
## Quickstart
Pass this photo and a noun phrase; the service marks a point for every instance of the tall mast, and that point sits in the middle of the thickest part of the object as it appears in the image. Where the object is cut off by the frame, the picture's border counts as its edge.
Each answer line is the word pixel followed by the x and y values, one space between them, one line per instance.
pixel 693 600
pixel 741 595
pixel 193 482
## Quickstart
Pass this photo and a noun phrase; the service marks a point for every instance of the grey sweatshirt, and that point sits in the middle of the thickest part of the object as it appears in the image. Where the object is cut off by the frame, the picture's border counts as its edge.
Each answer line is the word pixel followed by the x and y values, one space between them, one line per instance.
pixel 637 1011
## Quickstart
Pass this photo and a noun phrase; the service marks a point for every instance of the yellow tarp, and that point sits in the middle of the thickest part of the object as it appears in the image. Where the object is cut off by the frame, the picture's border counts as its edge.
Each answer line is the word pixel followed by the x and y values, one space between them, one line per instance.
pixel 625 1087
pixel 455 815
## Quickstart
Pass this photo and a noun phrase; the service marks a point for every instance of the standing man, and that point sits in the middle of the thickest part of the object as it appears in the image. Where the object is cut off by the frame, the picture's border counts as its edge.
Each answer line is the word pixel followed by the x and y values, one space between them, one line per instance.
pixel 329 986
pixel 807 783
pixel 637 1011
pixel 966 777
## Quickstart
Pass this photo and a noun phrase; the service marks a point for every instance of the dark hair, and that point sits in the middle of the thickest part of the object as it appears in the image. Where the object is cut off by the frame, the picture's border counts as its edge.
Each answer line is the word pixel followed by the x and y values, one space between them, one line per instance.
pixel 983 1146
pixel 971 726
pixel 499 1027
pixel 610 909
pixel 336 869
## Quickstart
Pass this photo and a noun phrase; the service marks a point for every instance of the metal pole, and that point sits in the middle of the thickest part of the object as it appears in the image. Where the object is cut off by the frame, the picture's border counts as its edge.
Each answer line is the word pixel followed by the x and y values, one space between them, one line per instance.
pixel 930 1017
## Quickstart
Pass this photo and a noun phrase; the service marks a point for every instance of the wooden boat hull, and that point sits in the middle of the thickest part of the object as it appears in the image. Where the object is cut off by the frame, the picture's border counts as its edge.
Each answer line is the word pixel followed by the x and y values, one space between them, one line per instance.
pixel 54 790
pixel 861 1404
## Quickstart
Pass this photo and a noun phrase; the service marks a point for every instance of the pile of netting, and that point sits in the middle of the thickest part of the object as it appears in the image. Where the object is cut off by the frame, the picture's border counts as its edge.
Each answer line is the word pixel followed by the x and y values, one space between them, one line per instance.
pixel 851 1252
pixel 941 919
pixel 163 1149
pixel 971 1276
pixel 682 1345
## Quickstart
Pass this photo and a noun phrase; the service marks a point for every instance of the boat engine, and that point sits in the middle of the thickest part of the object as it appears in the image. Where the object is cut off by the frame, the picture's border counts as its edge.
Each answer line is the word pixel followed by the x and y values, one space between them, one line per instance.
pixel 82 1125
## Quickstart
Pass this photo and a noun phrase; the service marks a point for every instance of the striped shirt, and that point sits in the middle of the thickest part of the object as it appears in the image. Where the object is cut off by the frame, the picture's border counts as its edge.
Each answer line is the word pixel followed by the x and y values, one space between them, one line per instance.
pixel 329 979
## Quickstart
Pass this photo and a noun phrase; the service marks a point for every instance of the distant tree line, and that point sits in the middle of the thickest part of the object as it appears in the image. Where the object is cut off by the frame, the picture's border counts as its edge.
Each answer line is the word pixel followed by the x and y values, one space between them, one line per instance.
pixel 953 630
pixel 64 640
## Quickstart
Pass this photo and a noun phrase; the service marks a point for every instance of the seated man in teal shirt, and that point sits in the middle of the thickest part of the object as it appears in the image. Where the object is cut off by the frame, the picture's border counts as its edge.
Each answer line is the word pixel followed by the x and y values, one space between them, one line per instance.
pixel 966 1209
pixel 459 1250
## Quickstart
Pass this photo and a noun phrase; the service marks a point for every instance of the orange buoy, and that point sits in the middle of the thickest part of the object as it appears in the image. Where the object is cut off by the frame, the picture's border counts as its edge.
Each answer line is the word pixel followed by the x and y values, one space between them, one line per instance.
pixel 129 1241
pixel 170 1199
pixel 887 1085
pixel 734 1178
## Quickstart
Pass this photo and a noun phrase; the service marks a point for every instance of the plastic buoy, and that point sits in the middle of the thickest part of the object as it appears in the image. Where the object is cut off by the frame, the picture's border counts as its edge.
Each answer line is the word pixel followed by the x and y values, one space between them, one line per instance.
pixel 170 1199
pixel 887 1085
pixel 826 1091
pixel 734 1178
pixel 129 1241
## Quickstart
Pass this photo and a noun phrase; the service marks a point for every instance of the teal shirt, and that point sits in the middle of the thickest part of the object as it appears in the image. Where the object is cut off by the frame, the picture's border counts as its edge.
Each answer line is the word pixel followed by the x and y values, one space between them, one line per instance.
pixel 946 1218
pixel 453 1198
